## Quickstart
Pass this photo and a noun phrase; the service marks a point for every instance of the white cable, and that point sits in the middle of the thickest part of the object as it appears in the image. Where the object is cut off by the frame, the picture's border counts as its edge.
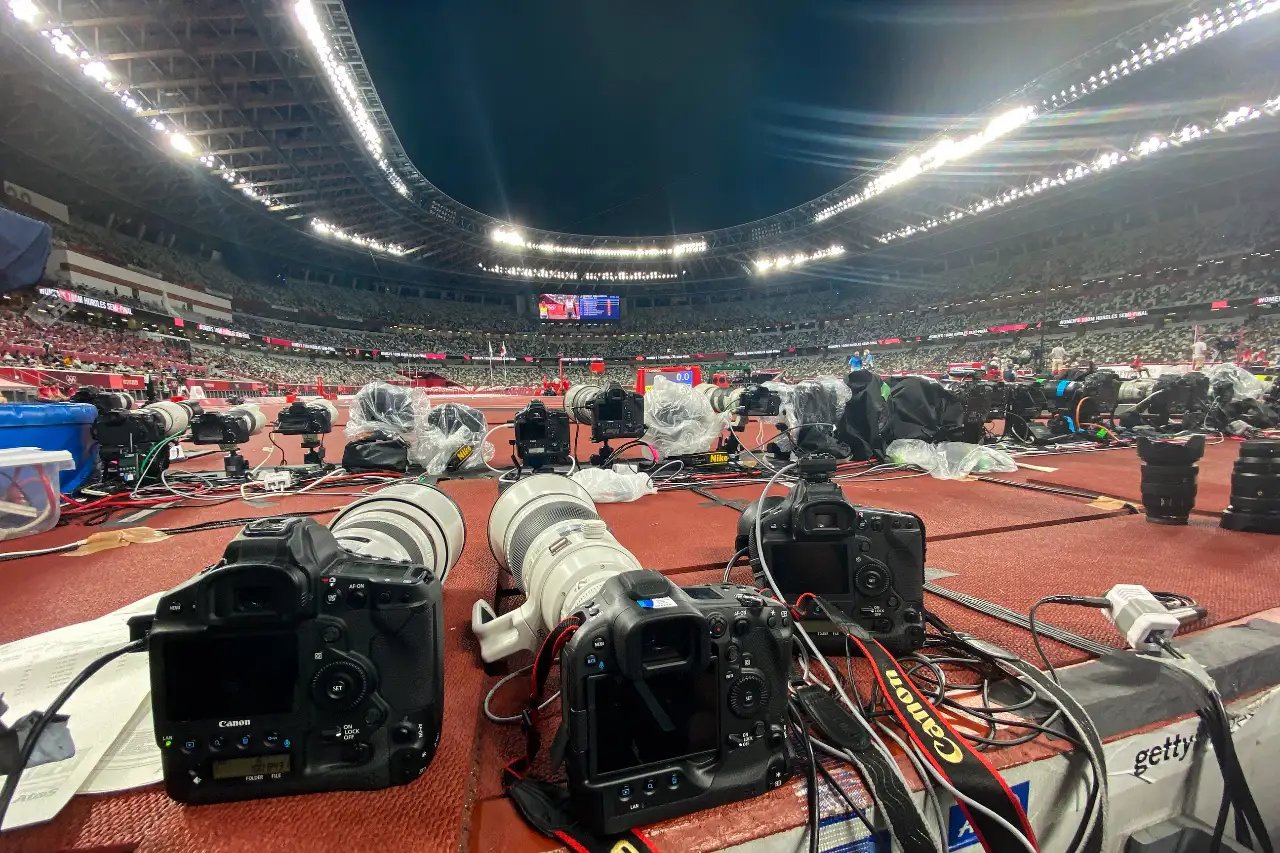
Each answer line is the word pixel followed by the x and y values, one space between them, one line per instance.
pixel 315 483
pixel 164 481
pixel 270 452
pixel 155 451
pixel 484 440
pixel 40 552
pixel 495 718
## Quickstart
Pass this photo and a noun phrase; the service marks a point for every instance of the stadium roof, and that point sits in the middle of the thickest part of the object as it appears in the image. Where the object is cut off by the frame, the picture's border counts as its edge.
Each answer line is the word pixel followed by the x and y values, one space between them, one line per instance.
pixel 272 134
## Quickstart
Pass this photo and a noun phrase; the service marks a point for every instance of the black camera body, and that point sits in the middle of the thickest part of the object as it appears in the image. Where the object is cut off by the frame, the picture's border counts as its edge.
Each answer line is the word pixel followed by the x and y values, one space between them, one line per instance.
pixel 869 562
pixel 616 412
pixel 302 418
pixel 220 428
pixel 541 435
pixel 674 700
pixel 757 401
pixel 104 401
pixel 978 397
pixel 294 666
pixel 125 438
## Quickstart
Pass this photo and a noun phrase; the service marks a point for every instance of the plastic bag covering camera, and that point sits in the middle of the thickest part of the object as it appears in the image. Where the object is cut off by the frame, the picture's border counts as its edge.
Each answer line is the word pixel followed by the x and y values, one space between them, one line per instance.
pixel 679 419
pixel 391 408
pixel 611 486
pixel 448 428
pixel 949 460
pixel 812 410
pixel 1246 385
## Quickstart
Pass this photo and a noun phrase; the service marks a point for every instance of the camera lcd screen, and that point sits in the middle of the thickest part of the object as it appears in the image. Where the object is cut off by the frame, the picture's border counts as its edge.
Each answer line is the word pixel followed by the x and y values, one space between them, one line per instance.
pixel 231 677
pixel 625 734
pixel 818 567
pixel 256 765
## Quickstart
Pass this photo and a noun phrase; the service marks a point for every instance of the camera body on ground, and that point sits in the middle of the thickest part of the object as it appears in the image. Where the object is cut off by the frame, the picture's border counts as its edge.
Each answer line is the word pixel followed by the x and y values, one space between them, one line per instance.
pixel 674 699
pixel 233 426
pixel 612 411
pixel 979 396
pixel 295 666
pixel 541 435
pixel 869 562
pixel 306 417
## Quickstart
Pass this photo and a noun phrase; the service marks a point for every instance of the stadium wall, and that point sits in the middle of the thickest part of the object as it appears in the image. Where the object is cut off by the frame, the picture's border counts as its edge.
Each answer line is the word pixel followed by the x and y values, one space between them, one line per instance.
pixel 79 269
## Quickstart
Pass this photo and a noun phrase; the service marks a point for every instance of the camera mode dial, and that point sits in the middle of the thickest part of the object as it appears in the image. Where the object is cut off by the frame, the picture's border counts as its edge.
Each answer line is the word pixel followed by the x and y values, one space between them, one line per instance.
pixel 748 695
pixel 340 685
pixel 872 579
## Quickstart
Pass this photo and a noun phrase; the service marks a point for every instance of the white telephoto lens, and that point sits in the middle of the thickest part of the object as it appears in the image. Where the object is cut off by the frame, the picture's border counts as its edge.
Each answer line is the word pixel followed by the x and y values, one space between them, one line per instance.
pixel 577 402
pixel 175 417
pixel 546 532
pixel 251 414
pixel 408 521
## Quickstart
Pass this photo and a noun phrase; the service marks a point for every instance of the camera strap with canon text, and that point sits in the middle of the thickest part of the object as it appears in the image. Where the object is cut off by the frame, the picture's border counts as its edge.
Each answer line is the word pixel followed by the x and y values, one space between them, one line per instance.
pixel 945 749
pixel 544 805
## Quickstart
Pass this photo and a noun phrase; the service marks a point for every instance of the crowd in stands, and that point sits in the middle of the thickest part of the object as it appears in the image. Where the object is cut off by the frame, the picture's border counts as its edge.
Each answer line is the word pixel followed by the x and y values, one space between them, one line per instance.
pixel 77 346
pixel 1100 267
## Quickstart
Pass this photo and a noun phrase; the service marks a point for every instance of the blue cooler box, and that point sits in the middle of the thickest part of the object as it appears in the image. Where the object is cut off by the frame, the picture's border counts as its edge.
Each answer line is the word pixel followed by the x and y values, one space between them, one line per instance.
pixel 53 426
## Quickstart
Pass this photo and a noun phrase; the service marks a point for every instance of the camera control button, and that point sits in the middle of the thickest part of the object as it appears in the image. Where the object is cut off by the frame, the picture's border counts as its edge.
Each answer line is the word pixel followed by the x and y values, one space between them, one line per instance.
pixel 747 695
pixel 772 621
pixel 403 733
pixel 871 580
pixel 374 716
pixel 190 745
pixel 271 738
pixel 331 633
pixel 333 735
pixel 717 626
pixel 732 654
pixel 598 643
pixel 217 742
pixel 340 684
pixel 356 598
pixel 245 741
pixel 650 787
pixel 332 597
pixel 673 780
pixel 384 597
pixel 741 625
pixel 625 792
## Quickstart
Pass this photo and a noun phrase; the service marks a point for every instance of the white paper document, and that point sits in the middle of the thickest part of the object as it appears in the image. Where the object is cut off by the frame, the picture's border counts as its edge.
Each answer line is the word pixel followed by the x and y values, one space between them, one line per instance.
pixel 108 714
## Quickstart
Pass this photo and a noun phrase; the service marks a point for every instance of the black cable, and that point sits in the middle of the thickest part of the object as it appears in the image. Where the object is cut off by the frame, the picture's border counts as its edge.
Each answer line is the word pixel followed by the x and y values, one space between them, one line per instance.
pixel 1075 600
pixel 271 437
pixel 814 817
pixel 848 800
pixel 37 730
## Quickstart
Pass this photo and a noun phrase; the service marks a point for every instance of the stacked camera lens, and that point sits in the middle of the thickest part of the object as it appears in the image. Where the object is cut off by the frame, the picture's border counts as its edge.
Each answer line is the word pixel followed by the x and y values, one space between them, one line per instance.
pixel 1169 478
pixel 1255 489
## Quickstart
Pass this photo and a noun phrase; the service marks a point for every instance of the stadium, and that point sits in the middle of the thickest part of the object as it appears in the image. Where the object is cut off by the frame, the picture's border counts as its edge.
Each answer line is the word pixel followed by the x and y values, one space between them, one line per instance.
pixel 1018 353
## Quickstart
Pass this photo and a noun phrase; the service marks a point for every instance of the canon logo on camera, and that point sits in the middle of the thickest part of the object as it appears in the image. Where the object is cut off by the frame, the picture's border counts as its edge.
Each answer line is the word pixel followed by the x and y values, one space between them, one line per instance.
pixel 231 724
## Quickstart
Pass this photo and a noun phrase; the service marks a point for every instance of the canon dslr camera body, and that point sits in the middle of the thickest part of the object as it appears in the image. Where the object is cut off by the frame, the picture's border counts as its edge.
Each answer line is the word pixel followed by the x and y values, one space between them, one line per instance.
pixel 674 700
pixel 295 666
pixel 869 562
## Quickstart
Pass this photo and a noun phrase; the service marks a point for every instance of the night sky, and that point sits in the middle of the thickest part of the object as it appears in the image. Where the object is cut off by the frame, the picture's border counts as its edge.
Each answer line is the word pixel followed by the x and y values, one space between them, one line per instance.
pixel 668 116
